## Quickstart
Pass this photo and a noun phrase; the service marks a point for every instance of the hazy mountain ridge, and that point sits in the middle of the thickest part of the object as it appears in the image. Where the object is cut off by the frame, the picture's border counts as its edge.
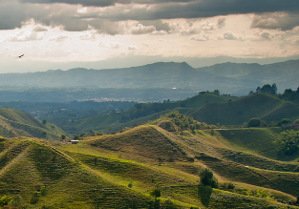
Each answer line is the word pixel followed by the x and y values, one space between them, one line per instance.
pixel 230 78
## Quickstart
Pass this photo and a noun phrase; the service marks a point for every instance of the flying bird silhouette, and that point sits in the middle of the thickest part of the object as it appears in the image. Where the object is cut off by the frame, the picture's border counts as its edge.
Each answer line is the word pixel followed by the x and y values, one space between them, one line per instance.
pixel 20 56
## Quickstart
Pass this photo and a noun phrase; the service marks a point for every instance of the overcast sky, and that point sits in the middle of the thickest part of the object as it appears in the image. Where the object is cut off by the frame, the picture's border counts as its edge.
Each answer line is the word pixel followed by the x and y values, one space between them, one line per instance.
pixel 116 33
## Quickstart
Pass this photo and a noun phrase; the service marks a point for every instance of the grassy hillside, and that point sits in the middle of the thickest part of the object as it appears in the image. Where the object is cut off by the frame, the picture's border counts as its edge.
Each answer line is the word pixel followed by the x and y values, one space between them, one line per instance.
pixel 122 170
pixel 204 148
pixel 239 111
pixel 52 179
pixel 16 123
pixel 209 107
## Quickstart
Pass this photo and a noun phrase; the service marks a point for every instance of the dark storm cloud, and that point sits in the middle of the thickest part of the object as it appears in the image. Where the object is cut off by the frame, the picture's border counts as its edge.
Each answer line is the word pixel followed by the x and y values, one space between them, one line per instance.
pixel 190 8
pixel 14 13
pixel 281 21
pixel 103 3
pixel 210 8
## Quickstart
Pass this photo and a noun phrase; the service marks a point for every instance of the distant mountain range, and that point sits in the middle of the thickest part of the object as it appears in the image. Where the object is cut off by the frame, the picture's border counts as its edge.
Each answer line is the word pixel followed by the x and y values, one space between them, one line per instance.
pixel 230 78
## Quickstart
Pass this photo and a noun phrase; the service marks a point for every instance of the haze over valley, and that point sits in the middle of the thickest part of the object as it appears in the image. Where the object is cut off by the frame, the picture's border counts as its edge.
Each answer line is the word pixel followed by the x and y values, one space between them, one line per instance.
pixel 154 104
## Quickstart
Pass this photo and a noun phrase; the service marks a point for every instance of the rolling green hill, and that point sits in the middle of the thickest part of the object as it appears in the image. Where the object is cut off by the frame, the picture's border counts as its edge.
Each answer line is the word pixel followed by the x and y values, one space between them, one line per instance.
pixel 122 170
pixel 267 107
pixel 209 107
pixel 17 123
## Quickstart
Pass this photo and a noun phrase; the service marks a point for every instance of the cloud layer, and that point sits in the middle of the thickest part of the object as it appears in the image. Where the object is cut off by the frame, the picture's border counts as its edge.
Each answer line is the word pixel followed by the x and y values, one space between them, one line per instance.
pixel 93 30
pixel 109 15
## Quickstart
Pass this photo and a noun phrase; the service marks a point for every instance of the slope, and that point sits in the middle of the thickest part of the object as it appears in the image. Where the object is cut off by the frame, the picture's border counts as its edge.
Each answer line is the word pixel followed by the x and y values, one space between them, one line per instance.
pixel 203 148
pixel 16 123
pixel 42 176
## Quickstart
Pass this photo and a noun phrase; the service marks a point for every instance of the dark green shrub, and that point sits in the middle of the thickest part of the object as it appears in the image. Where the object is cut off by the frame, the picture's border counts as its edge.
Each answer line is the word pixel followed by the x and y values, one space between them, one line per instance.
pixel 130 185
pixel 284 122
pixel 289 141
pixel 156 193
pixel 207 179
pixel 204 193
pixel 4 200
pixel 229 185
pixel 254 122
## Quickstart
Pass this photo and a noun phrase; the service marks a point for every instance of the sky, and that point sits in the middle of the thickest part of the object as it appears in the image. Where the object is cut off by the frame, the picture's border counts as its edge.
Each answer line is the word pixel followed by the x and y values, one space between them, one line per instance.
pixel 62 34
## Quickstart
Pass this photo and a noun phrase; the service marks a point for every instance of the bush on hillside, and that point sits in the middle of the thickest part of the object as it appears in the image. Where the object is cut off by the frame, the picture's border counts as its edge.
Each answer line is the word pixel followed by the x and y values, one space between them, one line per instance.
pixel 184 122
pixel 156 193
pixel 254 122
pixel 289 141
pixel 229 186
pixel 4 200
pixel 284 123
pixel 204 193
pixel 207 179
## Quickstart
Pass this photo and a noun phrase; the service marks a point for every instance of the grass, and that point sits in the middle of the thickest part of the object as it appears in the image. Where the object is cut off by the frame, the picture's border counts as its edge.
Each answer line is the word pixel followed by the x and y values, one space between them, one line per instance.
pixel 16 123
pixel 259 140
pixel 120 170
pixel 144 141
pixel 238 111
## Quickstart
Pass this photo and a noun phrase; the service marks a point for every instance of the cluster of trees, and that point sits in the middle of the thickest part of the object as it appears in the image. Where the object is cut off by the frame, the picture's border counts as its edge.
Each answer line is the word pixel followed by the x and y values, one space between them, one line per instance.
pixel 289 141
pixel 287 123
pixel 185 122
pixel 284 123
pixel 267 89
pixel 288 94
pixel 291 95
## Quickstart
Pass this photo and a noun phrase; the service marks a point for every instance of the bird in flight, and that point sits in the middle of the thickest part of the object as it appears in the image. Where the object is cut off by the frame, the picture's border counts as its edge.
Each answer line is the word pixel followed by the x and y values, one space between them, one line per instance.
pixel 20 56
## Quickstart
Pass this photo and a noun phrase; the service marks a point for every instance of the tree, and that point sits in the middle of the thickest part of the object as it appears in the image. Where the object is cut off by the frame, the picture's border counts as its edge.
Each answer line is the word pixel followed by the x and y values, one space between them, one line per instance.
pixel 216 92
pixel 130 185
pixel 267 89
pixel 284 122
pixel 289 141
pixel 254 122
pixel 207 178
pixel 156 193
pixel 155 204
pixel 204 193
pixel 274 88
pixel 206 185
